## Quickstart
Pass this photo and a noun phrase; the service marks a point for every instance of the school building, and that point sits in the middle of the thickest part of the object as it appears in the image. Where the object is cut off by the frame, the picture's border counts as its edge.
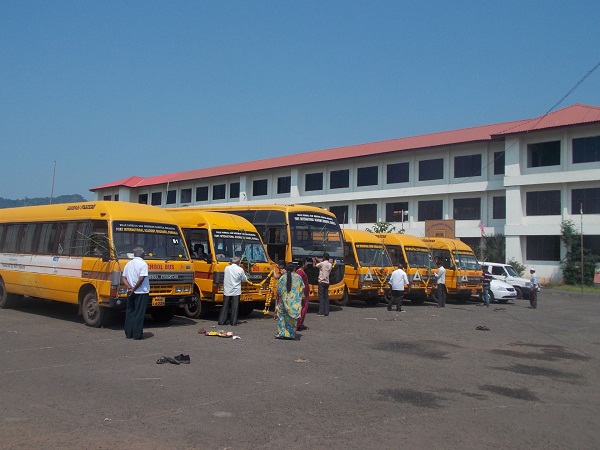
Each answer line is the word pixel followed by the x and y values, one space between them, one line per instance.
pixel 520 179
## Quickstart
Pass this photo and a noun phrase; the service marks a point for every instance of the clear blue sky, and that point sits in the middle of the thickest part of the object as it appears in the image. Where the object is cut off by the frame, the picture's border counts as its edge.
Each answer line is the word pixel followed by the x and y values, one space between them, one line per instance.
pixel 110 89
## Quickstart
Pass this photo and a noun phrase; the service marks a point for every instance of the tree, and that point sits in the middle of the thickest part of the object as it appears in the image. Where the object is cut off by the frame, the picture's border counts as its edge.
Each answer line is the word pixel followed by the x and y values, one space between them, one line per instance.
pixel 571 264
pixel 382 227
pixel 493 246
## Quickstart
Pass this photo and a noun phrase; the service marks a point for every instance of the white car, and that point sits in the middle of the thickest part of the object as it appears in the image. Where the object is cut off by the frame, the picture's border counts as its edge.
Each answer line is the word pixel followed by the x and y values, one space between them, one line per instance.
pixel 501 291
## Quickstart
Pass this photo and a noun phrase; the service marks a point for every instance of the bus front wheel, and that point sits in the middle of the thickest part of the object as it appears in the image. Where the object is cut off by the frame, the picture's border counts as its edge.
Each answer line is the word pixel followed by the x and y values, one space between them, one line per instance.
pixel 93 314
pixel 163 314
pixel 193 310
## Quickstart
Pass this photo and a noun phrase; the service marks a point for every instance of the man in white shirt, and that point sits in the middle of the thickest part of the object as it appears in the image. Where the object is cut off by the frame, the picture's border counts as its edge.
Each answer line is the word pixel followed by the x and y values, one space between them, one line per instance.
pixel 233 278
pixel 398 280
pixel 441 285
pixel 135 278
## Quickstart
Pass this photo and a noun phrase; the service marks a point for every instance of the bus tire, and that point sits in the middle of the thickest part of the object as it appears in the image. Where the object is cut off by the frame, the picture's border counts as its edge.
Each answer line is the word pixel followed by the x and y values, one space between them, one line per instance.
pixel 345 301
pixel 193 309
pixel 6 300
pixel 246 308
pixel 162 314
pixel 93 314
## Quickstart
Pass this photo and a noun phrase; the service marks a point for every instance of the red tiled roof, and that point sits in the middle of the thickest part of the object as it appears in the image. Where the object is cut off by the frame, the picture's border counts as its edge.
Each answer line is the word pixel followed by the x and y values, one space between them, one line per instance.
pixel 573 115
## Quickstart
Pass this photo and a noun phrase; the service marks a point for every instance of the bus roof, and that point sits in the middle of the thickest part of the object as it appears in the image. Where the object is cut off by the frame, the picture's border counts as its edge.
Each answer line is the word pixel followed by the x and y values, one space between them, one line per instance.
pixel 361 236
pixel 97 210
pixel 197 218
pixel 446 243
pixel 401 239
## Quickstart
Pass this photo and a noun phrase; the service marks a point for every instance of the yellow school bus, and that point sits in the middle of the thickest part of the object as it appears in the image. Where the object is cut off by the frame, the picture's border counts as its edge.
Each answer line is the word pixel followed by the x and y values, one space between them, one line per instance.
pixel 413 253
pixel 293 232
pixel 75 253
pixel 368 267
pixel 463 272
pixel 213 238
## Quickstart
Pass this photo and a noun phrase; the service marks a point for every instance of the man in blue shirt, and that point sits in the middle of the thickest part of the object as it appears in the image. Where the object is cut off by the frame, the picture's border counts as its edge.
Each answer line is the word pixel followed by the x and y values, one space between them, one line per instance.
pixel 535 285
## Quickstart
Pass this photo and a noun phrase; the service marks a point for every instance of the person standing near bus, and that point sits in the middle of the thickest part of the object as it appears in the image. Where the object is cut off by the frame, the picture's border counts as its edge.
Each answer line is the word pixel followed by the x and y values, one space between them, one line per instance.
pixel 135 278
pixel 233 278
pixel 398 280
pixel 301 270
pixel 441 284
pixel 324 267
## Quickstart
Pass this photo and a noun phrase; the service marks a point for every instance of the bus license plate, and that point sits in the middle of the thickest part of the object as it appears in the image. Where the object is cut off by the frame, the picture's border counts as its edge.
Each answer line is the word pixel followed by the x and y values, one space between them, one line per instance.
pixel 158 301
pixel 246 298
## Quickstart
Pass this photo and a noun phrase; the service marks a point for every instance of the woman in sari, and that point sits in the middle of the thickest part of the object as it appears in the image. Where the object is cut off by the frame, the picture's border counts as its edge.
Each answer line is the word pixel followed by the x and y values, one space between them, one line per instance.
pixel 290 289
pixel 301 270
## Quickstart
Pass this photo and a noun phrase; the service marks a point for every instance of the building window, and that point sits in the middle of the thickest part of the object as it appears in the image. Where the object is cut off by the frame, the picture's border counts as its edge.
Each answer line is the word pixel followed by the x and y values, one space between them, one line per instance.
pixel 397 173
pixel 467 166
pixel 430 210
pixel 219 191
pixel 171 197
pixel 543 154
pixel 339 179
pixel 586 149
pixel 499 208
pixel 543 248
pixel 499 163
pixel 366 213
pixel 259 187
pixel 116 197
pixel 156 198
pixel 431 169
pixel 143 199
pixel 284 185
pixel 467 209
pixel 367 176
pixel 394 211
pixel 234 190
pixel 185 196
pixel 107 198
pixel 587 200
pixel 341 213
pixel 313 181
pixel 543 203
pixel 202 194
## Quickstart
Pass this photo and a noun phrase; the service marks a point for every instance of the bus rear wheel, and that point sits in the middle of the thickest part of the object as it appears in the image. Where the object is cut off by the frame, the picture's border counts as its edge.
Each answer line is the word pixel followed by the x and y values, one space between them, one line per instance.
pixel 6 299
pixel 93 314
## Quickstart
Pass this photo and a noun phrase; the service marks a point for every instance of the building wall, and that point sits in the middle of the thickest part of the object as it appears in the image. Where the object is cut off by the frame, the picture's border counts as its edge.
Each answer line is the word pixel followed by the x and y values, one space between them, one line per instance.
pixel 517 182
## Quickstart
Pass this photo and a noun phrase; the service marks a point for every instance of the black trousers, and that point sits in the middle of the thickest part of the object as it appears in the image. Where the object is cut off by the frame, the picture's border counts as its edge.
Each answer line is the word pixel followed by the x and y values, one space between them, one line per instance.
pixel 229 311
pixel 134 315
pixel 533 298
pixel 398 296
pixel 441 295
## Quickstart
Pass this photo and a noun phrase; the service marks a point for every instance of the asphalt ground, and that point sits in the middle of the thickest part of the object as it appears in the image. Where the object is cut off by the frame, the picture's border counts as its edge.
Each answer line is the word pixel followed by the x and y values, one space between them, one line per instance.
pixel 360 378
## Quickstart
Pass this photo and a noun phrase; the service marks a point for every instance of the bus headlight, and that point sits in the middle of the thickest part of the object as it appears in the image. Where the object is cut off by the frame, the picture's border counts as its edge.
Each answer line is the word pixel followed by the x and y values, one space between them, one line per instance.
pixel 187 289
pixel 178 289
pixel 122 291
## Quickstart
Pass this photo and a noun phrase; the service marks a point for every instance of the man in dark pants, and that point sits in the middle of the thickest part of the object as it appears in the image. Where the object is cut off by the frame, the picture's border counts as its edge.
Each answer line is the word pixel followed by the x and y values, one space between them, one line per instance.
pixel 398 280
pixel 233 278
pixel 135 278
pixel 441 285
pixel 535 285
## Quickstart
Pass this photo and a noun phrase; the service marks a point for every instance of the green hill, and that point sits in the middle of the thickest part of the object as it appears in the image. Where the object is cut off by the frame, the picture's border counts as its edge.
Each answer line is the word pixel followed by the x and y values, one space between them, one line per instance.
pixel 7 203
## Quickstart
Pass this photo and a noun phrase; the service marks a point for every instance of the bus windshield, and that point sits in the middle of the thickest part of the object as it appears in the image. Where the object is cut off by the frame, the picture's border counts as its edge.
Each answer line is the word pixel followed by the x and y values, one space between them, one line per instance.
pixel 418 257
pixel 314 234
pixel 467 261
pixel 158 240
pixel 245 244
pixel 372 255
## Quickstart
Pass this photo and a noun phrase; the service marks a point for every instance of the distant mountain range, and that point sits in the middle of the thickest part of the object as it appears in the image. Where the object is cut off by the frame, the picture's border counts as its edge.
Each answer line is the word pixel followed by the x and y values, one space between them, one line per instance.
pixel 7 203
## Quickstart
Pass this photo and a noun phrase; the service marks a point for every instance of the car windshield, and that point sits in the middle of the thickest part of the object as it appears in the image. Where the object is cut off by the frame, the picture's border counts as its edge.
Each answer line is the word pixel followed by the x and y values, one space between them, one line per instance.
pixel 467 262
pixel 418 257
pixel 245 244
pixel 159 241
pixel 314 234
pixel 511 271
pixel 372 255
